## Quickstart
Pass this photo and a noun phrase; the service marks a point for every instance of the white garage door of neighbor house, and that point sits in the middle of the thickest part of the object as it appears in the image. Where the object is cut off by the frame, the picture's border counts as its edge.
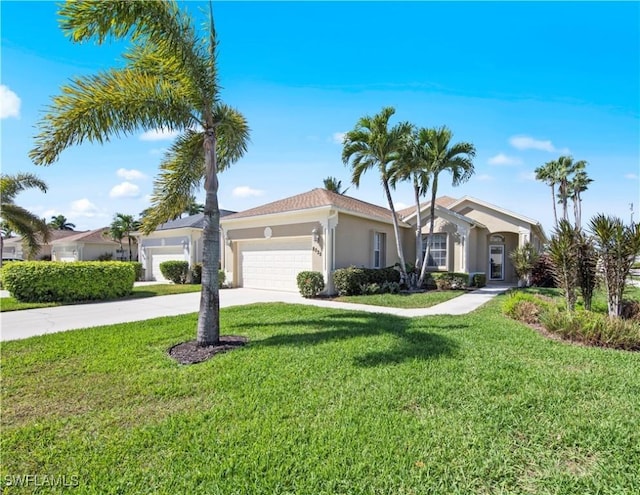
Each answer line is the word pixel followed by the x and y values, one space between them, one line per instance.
pixel 166 255
pixel 274 265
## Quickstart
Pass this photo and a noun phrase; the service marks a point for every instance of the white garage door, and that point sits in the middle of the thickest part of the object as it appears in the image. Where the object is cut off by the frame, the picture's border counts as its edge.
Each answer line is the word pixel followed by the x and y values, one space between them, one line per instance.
pixel 167 254
pixel 274 264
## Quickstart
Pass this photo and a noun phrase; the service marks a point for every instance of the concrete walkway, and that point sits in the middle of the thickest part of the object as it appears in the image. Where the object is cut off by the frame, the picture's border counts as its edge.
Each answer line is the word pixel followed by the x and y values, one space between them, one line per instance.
pixel 23 324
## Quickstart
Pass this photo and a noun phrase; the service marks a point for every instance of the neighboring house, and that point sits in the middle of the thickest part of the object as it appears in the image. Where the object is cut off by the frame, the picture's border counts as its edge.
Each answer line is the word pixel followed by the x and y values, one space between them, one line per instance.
pixel 267 246
pixel 91 245
pixel 13 247
pixel 179 239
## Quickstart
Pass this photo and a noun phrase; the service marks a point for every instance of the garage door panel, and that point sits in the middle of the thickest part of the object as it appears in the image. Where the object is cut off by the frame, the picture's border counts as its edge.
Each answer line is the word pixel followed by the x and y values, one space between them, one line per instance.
pixel 274 264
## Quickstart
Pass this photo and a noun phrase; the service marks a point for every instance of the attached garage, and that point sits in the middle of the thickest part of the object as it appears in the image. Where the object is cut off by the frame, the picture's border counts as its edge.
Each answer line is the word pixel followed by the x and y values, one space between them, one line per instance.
pixel 273 263
pixel 160 255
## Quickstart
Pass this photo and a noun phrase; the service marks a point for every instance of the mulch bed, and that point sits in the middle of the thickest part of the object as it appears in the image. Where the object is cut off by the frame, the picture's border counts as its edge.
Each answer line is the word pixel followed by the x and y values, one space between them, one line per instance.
pixel 192 353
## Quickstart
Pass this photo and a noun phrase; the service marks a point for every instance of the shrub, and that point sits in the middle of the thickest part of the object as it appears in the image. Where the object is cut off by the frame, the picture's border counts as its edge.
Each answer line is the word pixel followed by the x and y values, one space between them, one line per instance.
pixel 137 267
pixel 451 280
pixel 524 259
pixel 542 273
pixel 594 329
pixel 222 277
pixel 310 284
pixel 349 281
pixel 55 281
pixel 525 307
pixel 390 288
pixel 479 280
pixel 105 257
pixel 370 289
pixel 174 270
pixel 631 310
pixel 196 274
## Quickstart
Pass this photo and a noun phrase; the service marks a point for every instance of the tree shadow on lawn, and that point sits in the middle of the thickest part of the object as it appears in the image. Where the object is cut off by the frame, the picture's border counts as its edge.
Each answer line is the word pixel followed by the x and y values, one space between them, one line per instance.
pixel 411 341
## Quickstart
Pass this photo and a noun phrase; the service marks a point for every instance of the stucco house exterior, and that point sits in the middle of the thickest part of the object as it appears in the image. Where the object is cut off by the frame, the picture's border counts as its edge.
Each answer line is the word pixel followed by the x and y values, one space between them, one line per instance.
pixel 179 239
pixel 90 246
pixel 267 246
pixel 13 247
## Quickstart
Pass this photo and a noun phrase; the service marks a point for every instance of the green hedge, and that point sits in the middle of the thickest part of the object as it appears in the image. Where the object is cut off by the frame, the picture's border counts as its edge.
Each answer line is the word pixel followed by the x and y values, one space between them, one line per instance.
pixel 310 284
pixel 196 275
pixel 55 281
pixel 451 280
pixel 478 280
pixel 350 281
pixel 176 271
pixel 137 266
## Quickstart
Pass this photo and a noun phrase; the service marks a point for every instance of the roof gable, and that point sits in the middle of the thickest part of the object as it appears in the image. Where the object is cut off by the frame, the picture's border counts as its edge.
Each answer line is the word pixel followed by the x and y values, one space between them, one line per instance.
pixel 97 236
pixel 317 198
pixel 469 199
pixel 443 201
pixel 193 221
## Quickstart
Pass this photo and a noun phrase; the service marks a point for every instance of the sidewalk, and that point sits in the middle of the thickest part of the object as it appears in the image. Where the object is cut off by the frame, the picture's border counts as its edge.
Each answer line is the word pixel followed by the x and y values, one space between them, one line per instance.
pixel 23 324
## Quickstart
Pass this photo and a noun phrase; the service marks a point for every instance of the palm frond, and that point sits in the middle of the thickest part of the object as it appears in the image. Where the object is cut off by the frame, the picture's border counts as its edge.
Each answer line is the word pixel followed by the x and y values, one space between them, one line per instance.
pixel 181 172
pixel 111 103
pixel 11 185
pixel 232 133
pixel 33 229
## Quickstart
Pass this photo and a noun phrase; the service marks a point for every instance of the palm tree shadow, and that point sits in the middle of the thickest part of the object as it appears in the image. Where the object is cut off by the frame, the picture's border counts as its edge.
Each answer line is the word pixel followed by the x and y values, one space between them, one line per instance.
pixel 411 343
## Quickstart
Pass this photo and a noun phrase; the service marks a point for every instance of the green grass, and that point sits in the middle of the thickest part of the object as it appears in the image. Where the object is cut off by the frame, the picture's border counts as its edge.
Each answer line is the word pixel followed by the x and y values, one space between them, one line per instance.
pixel 323 402
pixel 10 303
pixel 404 300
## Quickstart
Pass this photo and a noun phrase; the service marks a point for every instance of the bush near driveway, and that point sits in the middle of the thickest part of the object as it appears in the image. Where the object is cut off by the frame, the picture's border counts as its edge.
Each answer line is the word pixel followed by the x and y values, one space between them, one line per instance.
pixel 310 284
pixel 54 281
pixel 176 271
pixel 350 281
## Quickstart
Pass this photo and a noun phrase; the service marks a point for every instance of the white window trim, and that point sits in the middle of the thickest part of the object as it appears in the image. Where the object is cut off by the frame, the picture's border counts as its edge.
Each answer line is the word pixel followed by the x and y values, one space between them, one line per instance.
pixel 425 239
pixel 380 239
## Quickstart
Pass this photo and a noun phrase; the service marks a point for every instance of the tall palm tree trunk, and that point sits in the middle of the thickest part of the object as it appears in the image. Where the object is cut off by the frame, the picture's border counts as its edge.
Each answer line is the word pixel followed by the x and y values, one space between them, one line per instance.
pixel 396 229
pixel 209 319
pixel 416 190
pixel 553 202
pixel 432 216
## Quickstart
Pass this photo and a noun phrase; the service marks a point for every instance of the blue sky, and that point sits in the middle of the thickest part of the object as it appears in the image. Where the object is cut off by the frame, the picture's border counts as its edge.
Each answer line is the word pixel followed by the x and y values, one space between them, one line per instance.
pixel 524 82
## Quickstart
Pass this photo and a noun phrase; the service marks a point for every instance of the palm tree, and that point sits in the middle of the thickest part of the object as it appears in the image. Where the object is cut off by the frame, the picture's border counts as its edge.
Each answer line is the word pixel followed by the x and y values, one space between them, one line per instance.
pixel 548 173
pixel 122 226
pixel 566 168
pixel 578 185
pixel 371 144
pixel 193 207
pixel 334 185
pixel 617 245
pixel 443 156
pixel 413 166
pixel 59 222
pixel 32 228
pixel 169 81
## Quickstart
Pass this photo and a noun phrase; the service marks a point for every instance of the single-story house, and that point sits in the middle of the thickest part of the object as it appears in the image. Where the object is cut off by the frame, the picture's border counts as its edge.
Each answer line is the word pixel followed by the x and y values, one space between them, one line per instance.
pixel 90 246
pixel 267 246
pixel 179 239
pixel 14 248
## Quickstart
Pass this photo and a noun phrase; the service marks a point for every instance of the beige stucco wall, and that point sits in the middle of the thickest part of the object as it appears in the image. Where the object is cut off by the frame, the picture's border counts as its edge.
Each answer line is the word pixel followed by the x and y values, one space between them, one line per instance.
pixel 354 241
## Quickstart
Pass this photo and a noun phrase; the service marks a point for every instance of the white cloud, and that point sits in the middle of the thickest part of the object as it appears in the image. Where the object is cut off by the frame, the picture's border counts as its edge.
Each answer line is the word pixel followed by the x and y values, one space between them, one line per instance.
pixel 502 159
pixel 158 135
pixel 338 137
pixel 131 174
pixel 124 190
pixel 529 143
pixel 400 205
pixel 9 103
pixel 47 214
pixel 246 192
pixel 484 177
pixel 631 176
pixel 84 208
pixel 157 151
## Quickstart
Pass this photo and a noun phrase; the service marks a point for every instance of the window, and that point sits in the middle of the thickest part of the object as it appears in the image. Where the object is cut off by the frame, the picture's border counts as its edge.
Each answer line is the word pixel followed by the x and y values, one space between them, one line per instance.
pixel 379 242
pixel 438 252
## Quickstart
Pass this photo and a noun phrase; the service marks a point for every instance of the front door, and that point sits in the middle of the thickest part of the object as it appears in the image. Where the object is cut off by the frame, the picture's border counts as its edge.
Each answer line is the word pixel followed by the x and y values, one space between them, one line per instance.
pixel 496 262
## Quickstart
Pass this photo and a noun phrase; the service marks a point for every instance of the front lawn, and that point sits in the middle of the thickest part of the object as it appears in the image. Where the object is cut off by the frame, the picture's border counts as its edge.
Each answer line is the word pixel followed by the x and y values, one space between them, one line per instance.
pixel 10 303
pixel 404 300
pixel 322 402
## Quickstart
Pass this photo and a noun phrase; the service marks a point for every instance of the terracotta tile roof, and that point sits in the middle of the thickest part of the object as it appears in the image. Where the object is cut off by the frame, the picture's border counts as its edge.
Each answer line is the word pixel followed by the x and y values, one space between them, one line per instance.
pixel 53 236
pixel 443 201
pixel 97 236
pixel 316 198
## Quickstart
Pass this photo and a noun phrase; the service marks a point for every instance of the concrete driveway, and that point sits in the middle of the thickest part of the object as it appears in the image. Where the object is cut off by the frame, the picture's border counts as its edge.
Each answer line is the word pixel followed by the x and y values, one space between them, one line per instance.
pixel 23 324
